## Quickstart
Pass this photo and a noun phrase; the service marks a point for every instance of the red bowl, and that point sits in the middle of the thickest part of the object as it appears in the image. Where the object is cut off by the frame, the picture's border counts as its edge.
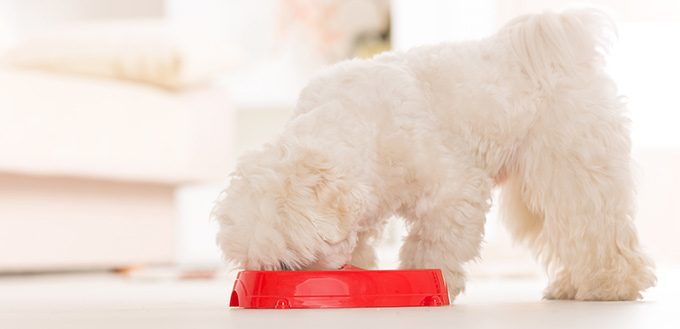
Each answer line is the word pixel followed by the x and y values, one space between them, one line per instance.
pixel 348 287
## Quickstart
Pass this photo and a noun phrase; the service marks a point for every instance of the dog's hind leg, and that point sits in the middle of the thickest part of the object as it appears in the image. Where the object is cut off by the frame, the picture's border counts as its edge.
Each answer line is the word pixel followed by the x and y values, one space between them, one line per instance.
pixel 525 224
pixel 446 225
pixel 585 193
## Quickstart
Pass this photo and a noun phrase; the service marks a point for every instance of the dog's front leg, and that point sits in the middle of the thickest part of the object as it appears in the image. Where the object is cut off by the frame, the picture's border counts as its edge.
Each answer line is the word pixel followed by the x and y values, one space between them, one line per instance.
pixel 364 253
pixel 446 227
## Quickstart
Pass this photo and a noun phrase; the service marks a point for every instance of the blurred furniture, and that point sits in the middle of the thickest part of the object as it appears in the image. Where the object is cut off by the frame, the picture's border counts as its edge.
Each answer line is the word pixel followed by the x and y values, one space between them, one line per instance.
pixel 88 167
pixel 105 109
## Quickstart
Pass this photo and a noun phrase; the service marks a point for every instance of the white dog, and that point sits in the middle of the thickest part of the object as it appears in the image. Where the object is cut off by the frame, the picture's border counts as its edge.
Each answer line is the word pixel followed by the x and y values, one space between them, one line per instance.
pixel 426 134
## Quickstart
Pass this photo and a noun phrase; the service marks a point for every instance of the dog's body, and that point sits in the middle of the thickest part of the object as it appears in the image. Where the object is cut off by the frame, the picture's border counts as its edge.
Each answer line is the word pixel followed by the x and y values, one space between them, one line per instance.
pixel 426 134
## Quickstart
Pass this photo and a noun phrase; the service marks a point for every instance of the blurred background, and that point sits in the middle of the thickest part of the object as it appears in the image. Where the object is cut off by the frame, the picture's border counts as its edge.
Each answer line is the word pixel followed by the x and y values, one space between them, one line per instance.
pixel 120 120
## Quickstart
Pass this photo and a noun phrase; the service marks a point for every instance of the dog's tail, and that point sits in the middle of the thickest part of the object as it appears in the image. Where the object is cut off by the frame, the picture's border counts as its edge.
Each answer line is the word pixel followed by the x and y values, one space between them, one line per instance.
pixel 550 45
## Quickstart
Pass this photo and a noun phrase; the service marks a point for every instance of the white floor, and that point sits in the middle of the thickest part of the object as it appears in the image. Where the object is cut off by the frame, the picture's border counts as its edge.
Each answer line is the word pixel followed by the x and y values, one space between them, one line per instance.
pixel 158 300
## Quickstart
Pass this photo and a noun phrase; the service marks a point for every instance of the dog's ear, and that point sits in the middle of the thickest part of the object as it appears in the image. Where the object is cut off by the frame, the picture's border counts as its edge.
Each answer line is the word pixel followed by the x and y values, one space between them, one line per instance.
pixel 322 194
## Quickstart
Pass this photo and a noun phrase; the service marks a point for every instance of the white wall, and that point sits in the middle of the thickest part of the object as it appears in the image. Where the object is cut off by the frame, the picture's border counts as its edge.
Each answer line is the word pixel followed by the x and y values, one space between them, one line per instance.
pixel 430 21
pixel 28 15
pixel 20 17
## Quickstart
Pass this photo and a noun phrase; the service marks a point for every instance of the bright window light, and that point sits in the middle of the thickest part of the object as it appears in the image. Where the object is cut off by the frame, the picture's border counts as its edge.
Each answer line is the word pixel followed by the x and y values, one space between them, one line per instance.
pixel 645 64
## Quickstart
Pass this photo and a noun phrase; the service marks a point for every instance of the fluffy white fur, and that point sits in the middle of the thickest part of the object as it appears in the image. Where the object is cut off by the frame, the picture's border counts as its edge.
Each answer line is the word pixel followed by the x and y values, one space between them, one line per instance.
pixel 426 134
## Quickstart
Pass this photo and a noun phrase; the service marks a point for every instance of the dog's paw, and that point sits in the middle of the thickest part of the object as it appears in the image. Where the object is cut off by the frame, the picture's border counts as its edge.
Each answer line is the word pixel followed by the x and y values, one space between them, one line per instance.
pixel 560 288
pixel 625 294
pixel 604 286
pixel 612 288
pixel 455 281
pixel 559 291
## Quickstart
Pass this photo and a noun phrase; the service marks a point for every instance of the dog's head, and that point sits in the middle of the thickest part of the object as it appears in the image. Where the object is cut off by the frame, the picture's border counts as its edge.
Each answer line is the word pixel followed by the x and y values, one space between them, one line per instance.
pixel 288 209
